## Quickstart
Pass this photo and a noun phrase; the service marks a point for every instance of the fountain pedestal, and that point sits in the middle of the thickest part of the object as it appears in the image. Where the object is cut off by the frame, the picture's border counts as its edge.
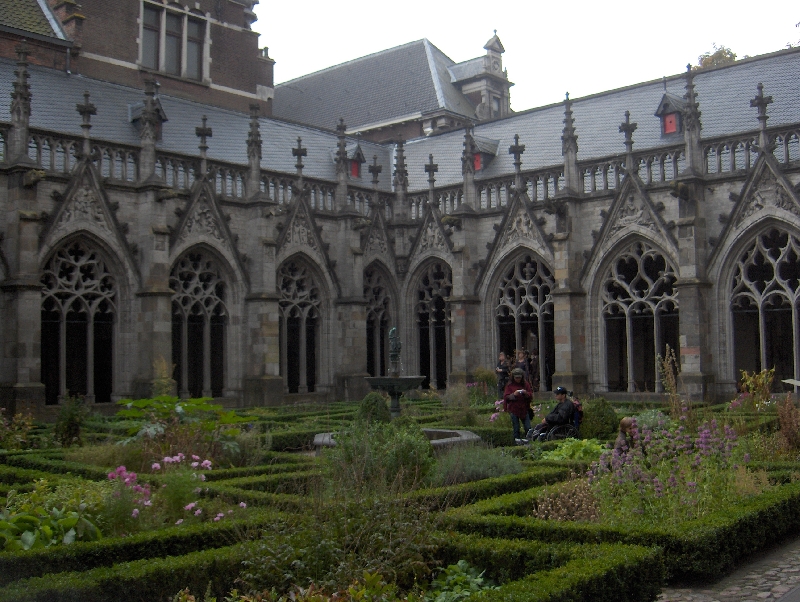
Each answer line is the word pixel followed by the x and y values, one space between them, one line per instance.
pixel 395 386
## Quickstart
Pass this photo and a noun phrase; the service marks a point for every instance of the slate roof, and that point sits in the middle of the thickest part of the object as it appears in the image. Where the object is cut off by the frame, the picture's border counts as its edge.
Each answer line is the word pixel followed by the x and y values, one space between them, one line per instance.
pixel 724 95
pixel 33 16
pixel 404 81
pixel 55 94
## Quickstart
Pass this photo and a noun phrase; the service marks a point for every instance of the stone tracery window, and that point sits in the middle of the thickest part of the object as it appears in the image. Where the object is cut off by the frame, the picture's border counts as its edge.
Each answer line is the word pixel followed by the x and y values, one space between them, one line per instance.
pixel 433 321
pixel 199 315
pixel 524 313
pixel 300 305
pixel 378 318
pixel 765 303
pixel 640 308
pixel 78 309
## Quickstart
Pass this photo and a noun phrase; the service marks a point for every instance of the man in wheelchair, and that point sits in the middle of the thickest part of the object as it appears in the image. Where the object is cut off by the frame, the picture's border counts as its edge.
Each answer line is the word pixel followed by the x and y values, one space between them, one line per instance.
pixel 559 419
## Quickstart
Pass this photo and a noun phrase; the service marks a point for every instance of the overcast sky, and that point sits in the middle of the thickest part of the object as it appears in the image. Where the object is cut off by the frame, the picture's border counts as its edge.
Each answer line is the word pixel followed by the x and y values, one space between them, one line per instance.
pixel 551 47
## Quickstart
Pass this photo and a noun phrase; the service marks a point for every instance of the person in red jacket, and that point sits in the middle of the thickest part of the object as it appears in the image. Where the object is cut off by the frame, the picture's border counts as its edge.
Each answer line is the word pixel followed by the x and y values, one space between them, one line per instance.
pixel 517 397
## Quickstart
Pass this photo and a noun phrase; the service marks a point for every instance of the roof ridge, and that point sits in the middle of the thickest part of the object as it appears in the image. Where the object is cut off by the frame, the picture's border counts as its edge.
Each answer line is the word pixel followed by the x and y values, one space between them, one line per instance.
pixel 351 61
pixel 437 84
pixel 54 22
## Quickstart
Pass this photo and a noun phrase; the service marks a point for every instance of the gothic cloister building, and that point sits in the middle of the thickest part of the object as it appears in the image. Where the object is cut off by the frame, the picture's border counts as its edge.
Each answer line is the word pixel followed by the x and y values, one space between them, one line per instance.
pixel 147 232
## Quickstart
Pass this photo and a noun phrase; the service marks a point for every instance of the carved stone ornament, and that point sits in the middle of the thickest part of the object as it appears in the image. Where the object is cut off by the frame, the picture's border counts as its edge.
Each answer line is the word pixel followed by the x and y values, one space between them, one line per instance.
pixel 431 237
pixel 768 193
pixel 633 212
pixel 203 222
pixel 84 207
pixel 376 242
pixel 300 231
pixel 520 226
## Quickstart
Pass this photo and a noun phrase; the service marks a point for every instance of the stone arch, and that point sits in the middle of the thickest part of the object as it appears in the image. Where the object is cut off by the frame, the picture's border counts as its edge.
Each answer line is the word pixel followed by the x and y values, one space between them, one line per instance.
pixel 518 310
pixel 205 322
pixel 633 315
pixel 758 302
pixel 84 296
pixel 380 296
pixel 429 292
pixel 303 304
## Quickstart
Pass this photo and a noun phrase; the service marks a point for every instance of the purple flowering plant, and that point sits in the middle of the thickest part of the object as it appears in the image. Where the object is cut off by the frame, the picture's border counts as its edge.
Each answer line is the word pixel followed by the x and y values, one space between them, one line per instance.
pixel 669 474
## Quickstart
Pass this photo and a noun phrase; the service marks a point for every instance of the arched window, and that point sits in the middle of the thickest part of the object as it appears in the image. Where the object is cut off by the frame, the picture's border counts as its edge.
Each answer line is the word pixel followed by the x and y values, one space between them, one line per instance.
pixel 640 310
pixel 765 303
pixel 378 317
pixel 525 313
pixel 78 308
pixel 433 322
pixel 300 322
pixel 198 325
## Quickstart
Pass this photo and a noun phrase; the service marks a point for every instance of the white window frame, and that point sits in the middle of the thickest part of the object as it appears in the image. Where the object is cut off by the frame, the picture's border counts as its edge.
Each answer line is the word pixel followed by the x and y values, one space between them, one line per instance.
pixel 185 15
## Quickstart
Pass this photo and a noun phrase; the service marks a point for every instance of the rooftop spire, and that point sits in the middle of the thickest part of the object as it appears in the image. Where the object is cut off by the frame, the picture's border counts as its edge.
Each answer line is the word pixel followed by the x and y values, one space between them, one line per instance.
pixel 431 168
pixel 86 110
pixel 569 140
pixel 203 133
pixel 628 128
pixel 254 134
pixel 20 106
pixel 400 179
pixel 761 102
pixel 341 147
pixel 517 149
pixel 375 170
pixel 468 155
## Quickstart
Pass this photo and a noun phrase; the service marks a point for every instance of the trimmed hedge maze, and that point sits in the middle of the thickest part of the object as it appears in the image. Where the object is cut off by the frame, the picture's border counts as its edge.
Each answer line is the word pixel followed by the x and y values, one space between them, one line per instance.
pixel 486 522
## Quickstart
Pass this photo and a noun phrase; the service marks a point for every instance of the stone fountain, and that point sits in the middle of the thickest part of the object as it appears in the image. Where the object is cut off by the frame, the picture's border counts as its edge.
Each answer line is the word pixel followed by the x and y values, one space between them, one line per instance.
pixel 394 384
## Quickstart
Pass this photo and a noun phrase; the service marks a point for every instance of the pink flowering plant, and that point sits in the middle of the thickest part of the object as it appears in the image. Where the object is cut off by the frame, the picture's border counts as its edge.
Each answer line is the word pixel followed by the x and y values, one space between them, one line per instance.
pixel 670 475
pixel 175 497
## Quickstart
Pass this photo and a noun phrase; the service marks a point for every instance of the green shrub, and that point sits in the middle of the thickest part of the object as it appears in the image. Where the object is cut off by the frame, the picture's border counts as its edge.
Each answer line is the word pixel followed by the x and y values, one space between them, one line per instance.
pixel 373 454
pixel 599 420
pixel 457 582
pixel 575 449
pixel 330 544
pixel 15 433
pixel 373 408
pixel 462 464
pixel 71 417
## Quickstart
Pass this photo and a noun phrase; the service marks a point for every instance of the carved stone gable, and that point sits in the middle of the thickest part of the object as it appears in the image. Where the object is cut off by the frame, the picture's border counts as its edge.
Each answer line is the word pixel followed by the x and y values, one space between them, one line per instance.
pixel 203 222
pixel 431 237
pixel 85 207
pixel 768 192
pixel 632 211
pixel 301 231
pixel 376 242
pixel 521 226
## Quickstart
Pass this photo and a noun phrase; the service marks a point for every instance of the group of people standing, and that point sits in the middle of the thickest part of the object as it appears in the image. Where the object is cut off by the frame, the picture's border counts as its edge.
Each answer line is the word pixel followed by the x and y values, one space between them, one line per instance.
pixel 516 385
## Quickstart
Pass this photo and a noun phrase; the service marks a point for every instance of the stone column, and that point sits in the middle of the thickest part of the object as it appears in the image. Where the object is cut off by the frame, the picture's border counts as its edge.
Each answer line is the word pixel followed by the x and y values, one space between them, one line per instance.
pixel 154 331
pixel 569 300
pixel 697 375
pixel 22 390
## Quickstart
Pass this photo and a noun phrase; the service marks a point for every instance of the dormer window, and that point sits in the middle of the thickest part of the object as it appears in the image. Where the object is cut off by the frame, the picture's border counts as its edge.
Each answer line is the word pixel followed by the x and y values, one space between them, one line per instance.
pixel 172 41
pixel 355 169
pixel 669 112
pixel 477 161
pixel 669 123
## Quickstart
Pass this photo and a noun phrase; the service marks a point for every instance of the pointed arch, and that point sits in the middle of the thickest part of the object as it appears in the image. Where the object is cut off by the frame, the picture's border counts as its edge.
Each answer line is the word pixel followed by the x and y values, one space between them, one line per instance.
pixel 636 301
pixel 519 305
pixel 81 290
pixel 204 293
pixel 380 296
pixel 302 305
pixel 430 291
pixel 760 299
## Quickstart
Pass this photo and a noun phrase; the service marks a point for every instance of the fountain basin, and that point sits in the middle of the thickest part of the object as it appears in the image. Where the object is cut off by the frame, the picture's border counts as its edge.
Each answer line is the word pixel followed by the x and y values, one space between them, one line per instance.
pixel 440 438
pixel 394 386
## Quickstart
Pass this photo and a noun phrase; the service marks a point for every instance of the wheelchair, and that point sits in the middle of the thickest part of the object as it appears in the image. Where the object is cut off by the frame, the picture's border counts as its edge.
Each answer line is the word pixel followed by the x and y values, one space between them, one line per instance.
pixel 556 433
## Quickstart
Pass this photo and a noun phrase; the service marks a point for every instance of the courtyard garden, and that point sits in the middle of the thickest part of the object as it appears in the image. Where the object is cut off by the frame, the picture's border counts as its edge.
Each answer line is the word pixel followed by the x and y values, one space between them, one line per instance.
pixel 184 500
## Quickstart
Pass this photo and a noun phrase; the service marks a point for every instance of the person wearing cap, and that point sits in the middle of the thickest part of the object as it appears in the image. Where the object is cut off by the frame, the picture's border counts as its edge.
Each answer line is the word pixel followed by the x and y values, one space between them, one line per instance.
pixel 561 414
pixel 517 397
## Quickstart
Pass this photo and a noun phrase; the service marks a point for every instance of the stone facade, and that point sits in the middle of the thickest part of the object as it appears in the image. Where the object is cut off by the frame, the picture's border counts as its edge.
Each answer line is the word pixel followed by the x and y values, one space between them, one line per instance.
pixel 246 260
